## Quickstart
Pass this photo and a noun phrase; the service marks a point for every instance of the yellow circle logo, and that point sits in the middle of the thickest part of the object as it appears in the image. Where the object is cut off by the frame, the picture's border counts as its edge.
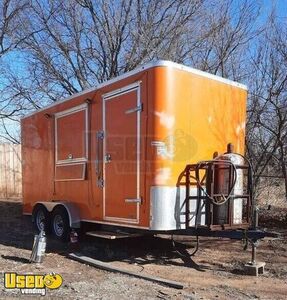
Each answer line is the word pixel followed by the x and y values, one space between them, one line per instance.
pixel 53 281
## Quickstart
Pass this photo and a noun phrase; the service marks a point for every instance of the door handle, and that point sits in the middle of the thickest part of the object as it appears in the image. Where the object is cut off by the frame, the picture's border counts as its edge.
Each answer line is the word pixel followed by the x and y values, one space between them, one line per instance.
pixel 133 200
pixel 108 158
pixel 99 159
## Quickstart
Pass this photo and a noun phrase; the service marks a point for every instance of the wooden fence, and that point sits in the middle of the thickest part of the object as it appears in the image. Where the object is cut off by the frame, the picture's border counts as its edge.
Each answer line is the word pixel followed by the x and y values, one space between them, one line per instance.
pixel 10 171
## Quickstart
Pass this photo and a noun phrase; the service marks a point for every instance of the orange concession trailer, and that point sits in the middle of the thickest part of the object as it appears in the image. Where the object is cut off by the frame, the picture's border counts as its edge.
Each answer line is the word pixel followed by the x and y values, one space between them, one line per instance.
pixel 114 154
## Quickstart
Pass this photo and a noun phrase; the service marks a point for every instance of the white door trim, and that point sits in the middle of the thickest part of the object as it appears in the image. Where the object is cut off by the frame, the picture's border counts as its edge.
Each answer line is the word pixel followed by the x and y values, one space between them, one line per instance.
pixel 106 97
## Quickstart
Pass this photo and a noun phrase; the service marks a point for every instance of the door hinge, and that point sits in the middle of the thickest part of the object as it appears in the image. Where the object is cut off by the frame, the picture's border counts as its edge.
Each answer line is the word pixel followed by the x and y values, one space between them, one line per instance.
pixel 100 134
pixel 135 109
pixel 100 183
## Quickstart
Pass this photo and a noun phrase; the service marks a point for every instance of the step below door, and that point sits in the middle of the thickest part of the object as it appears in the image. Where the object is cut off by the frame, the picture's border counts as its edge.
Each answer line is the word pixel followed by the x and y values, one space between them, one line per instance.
pixel 121 154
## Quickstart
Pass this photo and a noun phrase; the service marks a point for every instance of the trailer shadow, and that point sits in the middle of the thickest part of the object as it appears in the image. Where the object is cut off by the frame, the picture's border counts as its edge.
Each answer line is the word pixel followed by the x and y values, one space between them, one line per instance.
pixel 157 250
pixel 140 251
pixel 17 231
pixel 16 259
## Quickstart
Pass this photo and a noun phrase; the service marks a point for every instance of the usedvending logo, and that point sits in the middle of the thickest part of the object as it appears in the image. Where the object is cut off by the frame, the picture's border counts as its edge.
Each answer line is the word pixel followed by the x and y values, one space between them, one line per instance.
pixel 32 284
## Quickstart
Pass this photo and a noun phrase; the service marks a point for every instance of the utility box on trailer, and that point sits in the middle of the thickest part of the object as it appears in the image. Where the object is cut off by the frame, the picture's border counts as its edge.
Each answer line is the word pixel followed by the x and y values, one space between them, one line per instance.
pixel 114 154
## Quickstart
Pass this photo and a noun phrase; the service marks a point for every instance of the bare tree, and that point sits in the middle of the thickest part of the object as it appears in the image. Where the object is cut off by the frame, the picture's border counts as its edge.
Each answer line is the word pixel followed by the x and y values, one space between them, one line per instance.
pixel 67 46
pixel 267 123
pixel 224 37
pixel 10 11
pixel 83 42
pixel 79 43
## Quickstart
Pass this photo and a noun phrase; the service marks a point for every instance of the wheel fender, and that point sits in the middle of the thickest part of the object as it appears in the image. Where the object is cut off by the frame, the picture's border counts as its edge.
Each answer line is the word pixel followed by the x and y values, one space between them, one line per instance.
pixel 73 212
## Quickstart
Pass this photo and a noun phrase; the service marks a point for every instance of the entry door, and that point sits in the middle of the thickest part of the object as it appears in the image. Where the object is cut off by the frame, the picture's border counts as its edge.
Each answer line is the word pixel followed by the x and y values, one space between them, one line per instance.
pixel 121 126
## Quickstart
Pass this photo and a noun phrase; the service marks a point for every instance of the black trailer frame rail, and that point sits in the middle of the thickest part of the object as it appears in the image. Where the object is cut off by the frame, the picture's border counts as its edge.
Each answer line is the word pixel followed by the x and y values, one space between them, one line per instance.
pixel 250 234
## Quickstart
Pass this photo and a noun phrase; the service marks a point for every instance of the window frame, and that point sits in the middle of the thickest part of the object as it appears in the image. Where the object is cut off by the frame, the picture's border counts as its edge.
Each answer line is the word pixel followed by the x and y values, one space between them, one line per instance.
pixel 65 113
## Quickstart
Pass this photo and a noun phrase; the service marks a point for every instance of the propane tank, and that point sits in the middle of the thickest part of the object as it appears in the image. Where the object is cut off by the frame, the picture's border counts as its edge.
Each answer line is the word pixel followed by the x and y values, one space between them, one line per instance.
pixel 238 187
pixel 222 178
pixel 39 247
pixel 221 185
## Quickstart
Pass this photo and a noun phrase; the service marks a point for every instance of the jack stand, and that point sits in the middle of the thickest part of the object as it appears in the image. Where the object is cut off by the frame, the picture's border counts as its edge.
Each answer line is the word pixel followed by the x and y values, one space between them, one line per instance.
pixel 254 268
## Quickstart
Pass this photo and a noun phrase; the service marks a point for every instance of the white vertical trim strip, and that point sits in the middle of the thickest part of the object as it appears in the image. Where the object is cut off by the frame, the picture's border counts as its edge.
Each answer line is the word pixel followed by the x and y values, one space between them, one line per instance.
pixel 103 158
pixel 138 145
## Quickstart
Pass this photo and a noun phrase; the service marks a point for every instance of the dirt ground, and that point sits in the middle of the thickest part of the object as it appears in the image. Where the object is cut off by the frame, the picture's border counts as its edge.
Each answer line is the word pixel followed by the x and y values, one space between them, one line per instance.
pixel 215 272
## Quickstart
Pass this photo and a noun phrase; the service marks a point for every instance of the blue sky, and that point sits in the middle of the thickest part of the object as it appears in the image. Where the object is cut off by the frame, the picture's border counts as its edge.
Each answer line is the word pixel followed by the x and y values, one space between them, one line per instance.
pixel 281 6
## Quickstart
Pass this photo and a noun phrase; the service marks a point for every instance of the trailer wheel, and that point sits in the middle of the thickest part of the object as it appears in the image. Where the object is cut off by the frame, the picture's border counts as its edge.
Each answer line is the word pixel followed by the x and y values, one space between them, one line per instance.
pixel 60 223
pixel 41 218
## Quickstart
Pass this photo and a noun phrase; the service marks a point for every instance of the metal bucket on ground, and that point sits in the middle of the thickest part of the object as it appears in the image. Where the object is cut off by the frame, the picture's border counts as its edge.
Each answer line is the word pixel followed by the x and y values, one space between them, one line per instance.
pixel 39 248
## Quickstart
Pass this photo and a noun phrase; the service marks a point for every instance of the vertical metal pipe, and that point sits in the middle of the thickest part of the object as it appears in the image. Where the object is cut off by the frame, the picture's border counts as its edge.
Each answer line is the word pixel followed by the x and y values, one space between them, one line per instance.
pixel 230 148
pixel 187 197
pixel 255 217
pixel 253 259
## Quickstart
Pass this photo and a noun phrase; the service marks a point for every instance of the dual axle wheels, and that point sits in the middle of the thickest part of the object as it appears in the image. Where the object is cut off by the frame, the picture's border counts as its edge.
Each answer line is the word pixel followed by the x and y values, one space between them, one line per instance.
pixel 56 222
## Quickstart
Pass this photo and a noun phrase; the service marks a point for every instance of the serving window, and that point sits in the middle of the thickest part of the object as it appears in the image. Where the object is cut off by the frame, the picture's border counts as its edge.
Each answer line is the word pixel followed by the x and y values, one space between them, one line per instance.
pixel 71 143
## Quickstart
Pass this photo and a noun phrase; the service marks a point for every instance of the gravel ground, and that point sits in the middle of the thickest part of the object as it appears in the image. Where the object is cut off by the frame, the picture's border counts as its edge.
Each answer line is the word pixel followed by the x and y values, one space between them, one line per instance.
pixel 215 272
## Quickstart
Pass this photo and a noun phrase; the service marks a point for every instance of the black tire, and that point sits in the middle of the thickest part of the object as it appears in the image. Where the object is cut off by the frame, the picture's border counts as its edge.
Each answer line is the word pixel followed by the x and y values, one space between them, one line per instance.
pixel 60 225
pixel 41 218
